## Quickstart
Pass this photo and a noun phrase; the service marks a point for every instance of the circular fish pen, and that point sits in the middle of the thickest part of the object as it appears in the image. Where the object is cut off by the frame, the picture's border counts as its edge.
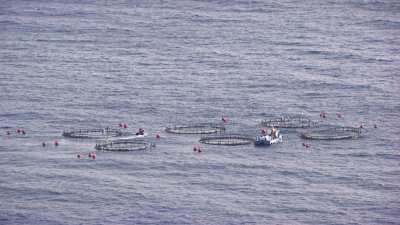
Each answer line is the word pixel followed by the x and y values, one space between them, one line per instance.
pixel 290 122
pixel 227 139
pixel 93 133
pixel 332 133
pixel 124 145
pixel 202 128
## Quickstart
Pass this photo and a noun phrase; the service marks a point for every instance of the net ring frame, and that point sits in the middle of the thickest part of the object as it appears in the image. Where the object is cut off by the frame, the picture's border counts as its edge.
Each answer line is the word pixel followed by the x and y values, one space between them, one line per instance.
pixel 200 128
pixel 124 145
pixel 332 133
pixel 227 139
pixel 92 133
pixel 296 122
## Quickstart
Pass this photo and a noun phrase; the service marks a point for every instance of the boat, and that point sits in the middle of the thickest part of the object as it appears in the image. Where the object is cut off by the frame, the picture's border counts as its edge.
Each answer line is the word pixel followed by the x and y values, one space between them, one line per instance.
pixel 267 139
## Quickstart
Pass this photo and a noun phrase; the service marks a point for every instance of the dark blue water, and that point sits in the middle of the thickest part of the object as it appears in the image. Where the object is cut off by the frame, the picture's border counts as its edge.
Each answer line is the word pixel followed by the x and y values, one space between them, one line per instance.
pixel 67 64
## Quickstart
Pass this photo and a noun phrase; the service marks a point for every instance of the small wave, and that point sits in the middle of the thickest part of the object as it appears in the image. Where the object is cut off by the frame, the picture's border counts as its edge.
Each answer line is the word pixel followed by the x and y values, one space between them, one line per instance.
pixel 369 155
pixel 67 41
pixel 376 5
pixel 382 24
pixel 287 43
pixel 5 127
pixel 360 155
pixel 8 23
pixel 25 115
pixel 388 156
pixel 8 114
pixel 208 20
pixel 335 55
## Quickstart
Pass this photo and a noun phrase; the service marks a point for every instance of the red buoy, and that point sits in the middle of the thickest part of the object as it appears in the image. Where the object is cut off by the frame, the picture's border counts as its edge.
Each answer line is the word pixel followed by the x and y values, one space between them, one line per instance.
pixel 158 136
pixel 56 143
pixel 264 131
pixel 194 148
pixel 18 131
pixel 125 125
pixel 94 156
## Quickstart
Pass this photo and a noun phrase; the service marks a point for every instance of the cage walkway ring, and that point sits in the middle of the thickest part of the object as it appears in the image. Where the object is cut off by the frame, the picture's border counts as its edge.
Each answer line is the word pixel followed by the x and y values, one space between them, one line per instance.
pixel 124 145
pixel 93 133
pixel 332 133
pixel 290 122
pixel 227 139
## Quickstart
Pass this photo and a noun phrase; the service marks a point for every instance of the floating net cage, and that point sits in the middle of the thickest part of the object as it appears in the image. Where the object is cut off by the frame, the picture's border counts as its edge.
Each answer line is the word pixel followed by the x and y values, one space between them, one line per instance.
pixel 332 133
pixel 93 133
pixel 227 139
pixel 200 128
pixel 124 145
pixel 290 122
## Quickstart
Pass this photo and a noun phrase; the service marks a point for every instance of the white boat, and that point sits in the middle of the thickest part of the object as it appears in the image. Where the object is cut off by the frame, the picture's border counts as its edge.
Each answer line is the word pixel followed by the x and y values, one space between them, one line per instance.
pixel 266 139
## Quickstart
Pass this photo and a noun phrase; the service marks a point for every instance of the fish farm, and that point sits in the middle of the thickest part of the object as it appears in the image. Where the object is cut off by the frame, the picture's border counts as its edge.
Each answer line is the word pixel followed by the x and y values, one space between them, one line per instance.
pixel 114 139
pixel 332 133
pixel 290 122
pixel 227 139
pixel 93 133
pixel 124 145
pixel 201 128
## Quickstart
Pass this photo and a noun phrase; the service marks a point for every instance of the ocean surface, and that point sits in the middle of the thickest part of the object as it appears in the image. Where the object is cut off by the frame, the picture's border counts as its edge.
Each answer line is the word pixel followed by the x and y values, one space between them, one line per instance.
pixel 91 64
